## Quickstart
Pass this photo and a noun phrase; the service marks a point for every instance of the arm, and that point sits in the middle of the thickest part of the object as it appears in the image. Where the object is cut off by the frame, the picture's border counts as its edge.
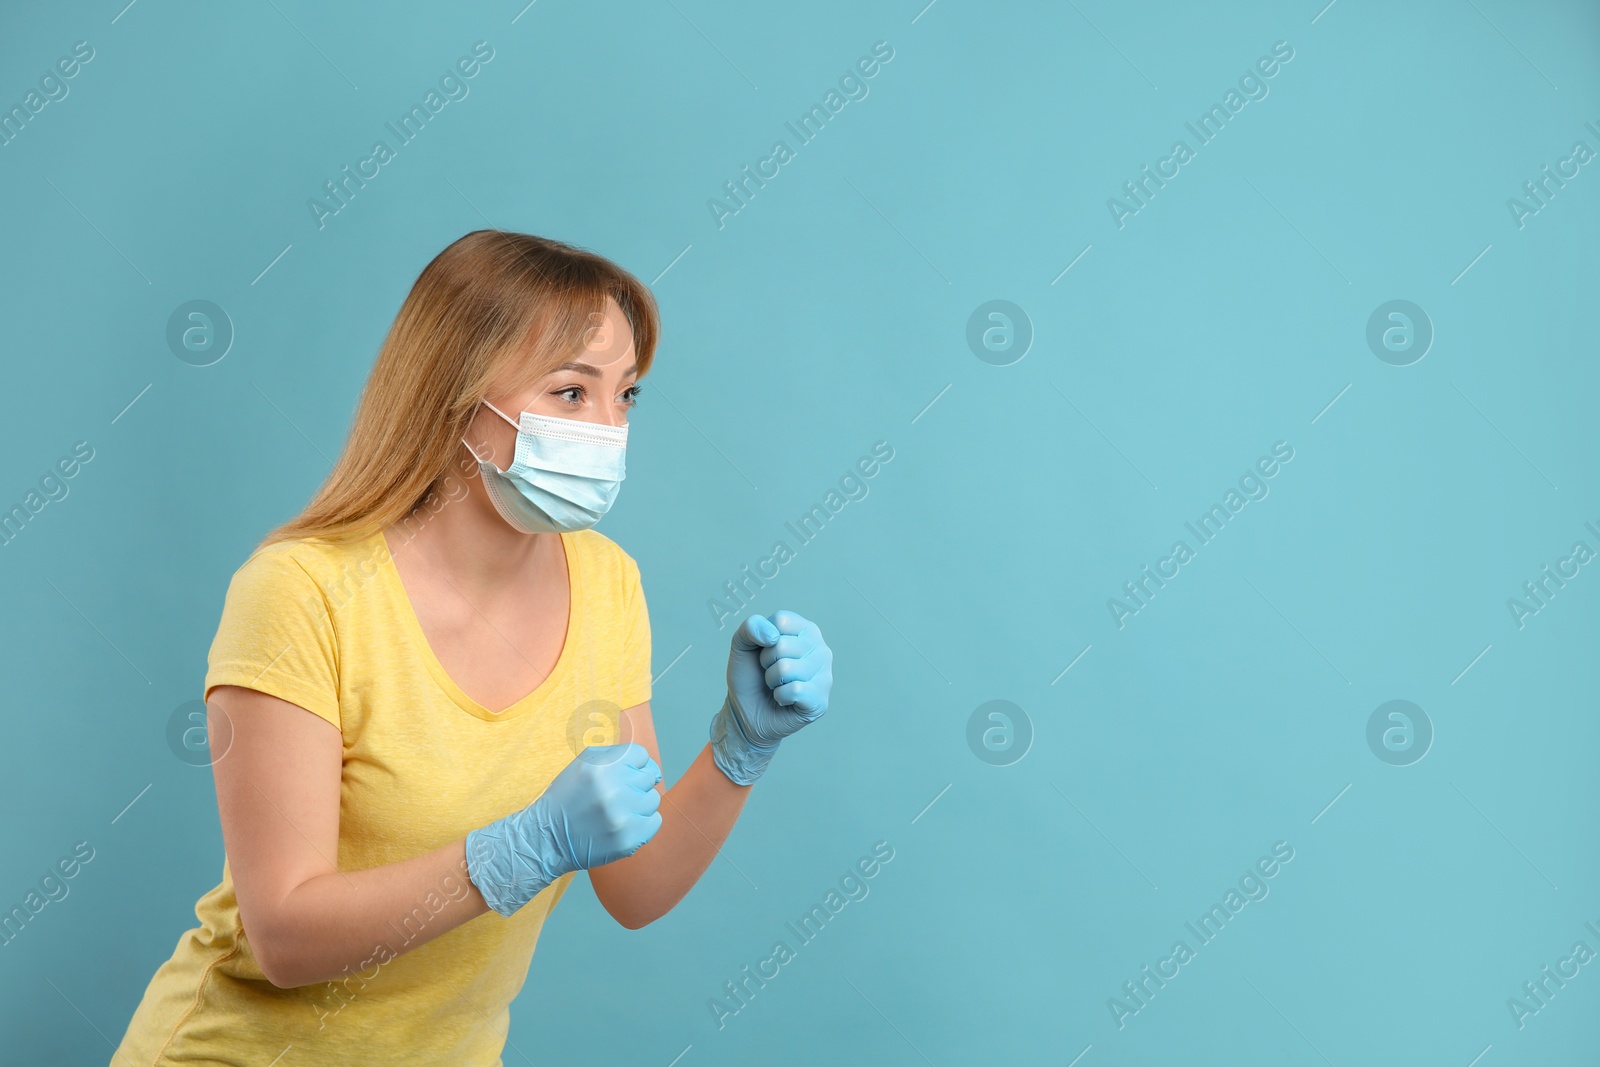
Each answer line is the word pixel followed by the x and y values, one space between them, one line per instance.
pixel 780 673
pixel 278 798
pixel 698 813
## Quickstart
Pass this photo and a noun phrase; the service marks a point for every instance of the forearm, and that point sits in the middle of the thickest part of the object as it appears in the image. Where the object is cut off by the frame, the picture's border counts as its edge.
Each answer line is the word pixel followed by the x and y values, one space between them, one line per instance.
pixel 697 814
pixel 345 922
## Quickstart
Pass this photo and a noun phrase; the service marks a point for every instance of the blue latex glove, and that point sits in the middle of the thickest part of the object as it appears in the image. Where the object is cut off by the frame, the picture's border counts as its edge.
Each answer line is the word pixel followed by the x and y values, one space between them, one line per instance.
pixel 600 808
pixel 780 673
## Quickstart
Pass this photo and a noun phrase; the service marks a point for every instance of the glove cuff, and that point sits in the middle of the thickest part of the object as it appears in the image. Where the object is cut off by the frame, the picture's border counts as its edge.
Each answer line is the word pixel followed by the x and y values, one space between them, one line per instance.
pixel 732 751
pixel 507 871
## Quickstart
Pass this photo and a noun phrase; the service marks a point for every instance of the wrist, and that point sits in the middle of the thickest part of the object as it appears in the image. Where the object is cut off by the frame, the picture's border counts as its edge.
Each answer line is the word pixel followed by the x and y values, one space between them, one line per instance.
pixel 511 861
pixel 736 756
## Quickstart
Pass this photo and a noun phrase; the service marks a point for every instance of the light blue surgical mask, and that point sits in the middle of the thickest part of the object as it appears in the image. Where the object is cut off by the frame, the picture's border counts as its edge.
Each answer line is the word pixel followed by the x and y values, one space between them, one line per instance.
pixel 563 477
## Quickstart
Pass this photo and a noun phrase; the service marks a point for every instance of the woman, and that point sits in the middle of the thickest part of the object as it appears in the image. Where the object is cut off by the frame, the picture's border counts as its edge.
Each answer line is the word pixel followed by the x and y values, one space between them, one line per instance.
pixel 429 695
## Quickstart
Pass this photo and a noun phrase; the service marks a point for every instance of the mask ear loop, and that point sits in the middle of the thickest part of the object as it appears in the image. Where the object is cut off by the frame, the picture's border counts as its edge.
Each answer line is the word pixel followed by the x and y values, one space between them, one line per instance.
pixel 515 425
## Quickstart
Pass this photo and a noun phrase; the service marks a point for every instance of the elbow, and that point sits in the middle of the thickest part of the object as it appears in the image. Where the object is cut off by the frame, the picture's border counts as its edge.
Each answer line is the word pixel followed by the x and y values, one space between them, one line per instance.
pixel 277 965
pixel 629 918
pixel 276 978
pixel 632 904
pixel 274 969
pixel 276 958
pixel 291 973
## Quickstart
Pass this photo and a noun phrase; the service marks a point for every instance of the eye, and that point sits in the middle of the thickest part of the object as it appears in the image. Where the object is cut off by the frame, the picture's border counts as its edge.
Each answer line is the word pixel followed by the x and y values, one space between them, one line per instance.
pixel 565 394
pixel 630 395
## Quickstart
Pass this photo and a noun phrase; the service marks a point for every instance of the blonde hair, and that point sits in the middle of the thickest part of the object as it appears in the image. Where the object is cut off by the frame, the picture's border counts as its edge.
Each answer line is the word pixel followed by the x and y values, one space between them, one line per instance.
pixel 493 303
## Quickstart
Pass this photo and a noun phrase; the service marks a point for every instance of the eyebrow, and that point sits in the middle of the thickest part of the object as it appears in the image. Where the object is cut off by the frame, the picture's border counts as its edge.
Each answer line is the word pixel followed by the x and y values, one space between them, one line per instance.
pixel 590 370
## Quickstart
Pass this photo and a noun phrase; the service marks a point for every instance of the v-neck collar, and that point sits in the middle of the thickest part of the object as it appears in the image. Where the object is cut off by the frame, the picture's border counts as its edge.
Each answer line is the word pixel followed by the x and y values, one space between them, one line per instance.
pixel 413 625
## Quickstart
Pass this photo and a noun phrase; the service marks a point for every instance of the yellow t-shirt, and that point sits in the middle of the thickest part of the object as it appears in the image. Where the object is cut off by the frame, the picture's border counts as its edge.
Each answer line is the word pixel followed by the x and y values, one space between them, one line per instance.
pixel 330 628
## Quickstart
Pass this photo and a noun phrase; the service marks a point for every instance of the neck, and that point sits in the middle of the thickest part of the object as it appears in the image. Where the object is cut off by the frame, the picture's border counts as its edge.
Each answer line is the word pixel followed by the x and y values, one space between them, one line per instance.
pixel 468 541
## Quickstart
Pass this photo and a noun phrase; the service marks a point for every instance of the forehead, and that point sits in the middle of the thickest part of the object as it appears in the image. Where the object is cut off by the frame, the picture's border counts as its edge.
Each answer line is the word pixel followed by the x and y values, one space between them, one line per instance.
pixel 607 341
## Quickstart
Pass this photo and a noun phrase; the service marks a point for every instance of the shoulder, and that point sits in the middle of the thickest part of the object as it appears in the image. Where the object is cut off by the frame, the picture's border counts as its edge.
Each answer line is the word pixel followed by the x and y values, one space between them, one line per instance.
pixel 594 547
pixel 606 563
pixel 308 565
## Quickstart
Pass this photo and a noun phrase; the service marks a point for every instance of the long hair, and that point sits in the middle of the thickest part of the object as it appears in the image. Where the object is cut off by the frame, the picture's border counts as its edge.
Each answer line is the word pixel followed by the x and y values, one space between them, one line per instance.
pixel 491 303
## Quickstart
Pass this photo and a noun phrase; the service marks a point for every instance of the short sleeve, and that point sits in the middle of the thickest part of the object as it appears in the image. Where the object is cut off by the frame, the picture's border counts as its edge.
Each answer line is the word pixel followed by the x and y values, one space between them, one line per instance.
pixel 276 635
pixel 635 678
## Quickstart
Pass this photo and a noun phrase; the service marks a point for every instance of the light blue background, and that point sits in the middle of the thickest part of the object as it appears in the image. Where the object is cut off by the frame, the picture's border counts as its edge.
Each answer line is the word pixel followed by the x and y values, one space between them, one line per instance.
pixel 825 316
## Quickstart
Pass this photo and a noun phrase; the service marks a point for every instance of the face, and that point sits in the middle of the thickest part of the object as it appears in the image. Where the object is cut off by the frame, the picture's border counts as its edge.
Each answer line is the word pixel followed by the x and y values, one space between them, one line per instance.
pixel 598 384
